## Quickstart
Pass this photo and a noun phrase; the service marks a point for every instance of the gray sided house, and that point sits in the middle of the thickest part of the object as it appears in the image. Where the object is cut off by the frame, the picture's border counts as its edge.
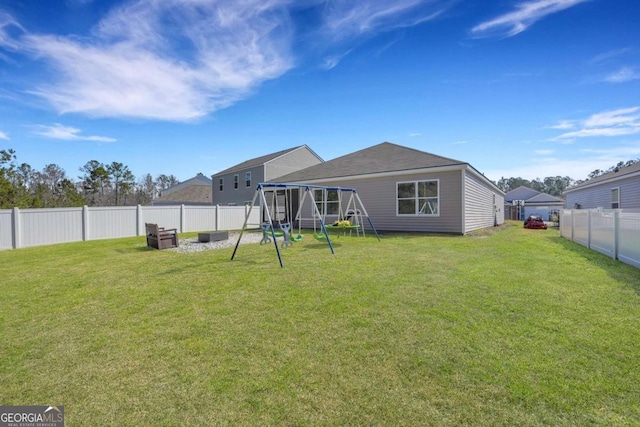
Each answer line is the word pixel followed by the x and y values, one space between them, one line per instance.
pixel 524 201
pixel 194 191
pixel 236 185
pixel 614 190
pixel 404 189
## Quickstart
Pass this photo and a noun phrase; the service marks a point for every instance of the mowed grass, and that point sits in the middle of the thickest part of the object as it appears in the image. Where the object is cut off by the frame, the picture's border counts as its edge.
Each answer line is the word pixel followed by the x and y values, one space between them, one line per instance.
pixel 515 327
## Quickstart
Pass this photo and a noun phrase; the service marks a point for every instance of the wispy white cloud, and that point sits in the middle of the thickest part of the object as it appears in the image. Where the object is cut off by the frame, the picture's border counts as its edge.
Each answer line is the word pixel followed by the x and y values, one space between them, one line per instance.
pixel 180 60
pixel 544 152
pixel 564 124
pixel 165 60
pixel 68 133
pixel 414 134
pixel 524 15
pixel 346 23
pixel 7 24
pixel 625 74
pixel 624 121
pixel 622 116
pixel 610 55
pixel 4 136
pixel 331 61
pixel 346 19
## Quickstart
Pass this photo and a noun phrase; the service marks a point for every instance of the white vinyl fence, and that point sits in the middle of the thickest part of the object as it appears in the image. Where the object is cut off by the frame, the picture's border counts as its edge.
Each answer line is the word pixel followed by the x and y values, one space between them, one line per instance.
pixel 613 232
pixel 34 227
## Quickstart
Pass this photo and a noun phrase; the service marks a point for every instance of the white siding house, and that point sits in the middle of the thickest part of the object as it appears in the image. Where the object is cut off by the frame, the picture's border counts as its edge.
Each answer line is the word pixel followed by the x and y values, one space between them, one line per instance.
pixel 404 189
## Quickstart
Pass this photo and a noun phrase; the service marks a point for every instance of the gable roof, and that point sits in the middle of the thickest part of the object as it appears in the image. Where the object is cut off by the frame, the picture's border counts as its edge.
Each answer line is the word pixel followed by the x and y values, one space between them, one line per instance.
pixel 621 173
pixel 192 194
pixel 529 195
pixel 381 158
pixel 248 164
pixel 520 193
pixel 198 180
pixel 544 198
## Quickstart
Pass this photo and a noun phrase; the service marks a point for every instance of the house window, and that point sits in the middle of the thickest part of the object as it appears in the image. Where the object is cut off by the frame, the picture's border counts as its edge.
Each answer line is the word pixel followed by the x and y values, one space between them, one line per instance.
pixel 615 198
pixel 221 184
pixel 247 179
pixel 418 198
pixel 236 179
pixel 328 206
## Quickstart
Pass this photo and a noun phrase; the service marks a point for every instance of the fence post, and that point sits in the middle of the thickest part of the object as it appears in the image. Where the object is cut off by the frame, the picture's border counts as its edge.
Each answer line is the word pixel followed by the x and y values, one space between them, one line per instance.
pixel 85 223
pixel 139 221
pixel 182 218
pixel 572 224
pixel 217 217
pixel 15 228
pixel 589 228
pixel 616 232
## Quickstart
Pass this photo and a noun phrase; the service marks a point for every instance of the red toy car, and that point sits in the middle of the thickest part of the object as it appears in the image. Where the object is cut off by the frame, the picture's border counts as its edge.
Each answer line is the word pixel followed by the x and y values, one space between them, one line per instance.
pixel 535 221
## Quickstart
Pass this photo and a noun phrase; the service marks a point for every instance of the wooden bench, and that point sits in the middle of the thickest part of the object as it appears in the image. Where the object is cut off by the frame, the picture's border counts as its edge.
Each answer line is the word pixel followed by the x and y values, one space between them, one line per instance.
pixel 159 238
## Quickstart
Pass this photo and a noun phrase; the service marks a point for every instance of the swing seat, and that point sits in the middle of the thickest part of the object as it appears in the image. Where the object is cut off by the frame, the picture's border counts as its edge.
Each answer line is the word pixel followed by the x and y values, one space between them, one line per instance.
pixel 319 236
pixel 297 238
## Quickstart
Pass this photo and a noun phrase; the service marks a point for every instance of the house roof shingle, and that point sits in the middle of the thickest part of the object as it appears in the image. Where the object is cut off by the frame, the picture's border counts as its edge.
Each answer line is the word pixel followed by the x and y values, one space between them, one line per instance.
pixel 199 179
pixel 544 198
pixel 529 195
pixel 200 194
pixel 256 161
pixel 381 158
pixel 520 193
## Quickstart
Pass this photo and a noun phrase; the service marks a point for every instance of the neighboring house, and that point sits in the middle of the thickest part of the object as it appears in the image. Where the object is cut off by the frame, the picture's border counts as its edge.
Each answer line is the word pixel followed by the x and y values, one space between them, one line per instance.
pixel 615 190
pixel 237 185
pixel 194 191
pixel 404 189
pixel 524 201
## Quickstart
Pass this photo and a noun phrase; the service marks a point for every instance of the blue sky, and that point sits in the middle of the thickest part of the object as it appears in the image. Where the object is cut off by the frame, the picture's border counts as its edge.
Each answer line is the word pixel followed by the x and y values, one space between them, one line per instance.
pixel 529 88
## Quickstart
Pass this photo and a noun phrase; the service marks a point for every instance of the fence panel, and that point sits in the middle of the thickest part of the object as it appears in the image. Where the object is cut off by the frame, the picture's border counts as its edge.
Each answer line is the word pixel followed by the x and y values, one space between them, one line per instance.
pixel 112 222
pixel 581 227
pixel 34 227
pixel 613 232
pixel 200 218
pixel 232 218
pixel 629 238
pixel 603 233
pixel 566 223
pixel 50 226
pixel 164 216
pixel 6 229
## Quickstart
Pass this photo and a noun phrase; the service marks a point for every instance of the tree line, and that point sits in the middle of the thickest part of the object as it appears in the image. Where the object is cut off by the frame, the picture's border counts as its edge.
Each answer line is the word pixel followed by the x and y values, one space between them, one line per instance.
pixel 555 185
pixel 99 184
pixel 114 184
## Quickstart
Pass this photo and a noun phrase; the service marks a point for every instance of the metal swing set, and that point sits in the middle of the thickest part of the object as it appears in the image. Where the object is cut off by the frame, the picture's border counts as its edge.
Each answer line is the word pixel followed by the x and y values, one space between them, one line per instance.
pixel 278 211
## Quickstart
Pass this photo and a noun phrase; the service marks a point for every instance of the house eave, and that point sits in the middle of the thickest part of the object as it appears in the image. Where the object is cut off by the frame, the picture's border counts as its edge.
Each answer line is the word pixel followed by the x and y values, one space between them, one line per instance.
pixel 435 169
pixel 604 181
pixel 384 174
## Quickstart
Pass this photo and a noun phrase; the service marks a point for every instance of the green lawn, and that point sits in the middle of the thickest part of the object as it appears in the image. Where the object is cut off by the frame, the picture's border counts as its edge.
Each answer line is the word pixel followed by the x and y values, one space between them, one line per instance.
pixel 513 328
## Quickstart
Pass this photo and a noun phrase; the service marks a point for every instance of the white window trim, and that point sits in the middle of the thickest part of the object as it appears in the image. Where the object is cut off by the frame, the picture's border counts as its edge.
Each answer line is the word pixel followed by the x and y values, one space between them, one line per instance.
pixel 247 179
pixel 236 181
pixel 612 202
pixel 422 215
pixel 221 184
